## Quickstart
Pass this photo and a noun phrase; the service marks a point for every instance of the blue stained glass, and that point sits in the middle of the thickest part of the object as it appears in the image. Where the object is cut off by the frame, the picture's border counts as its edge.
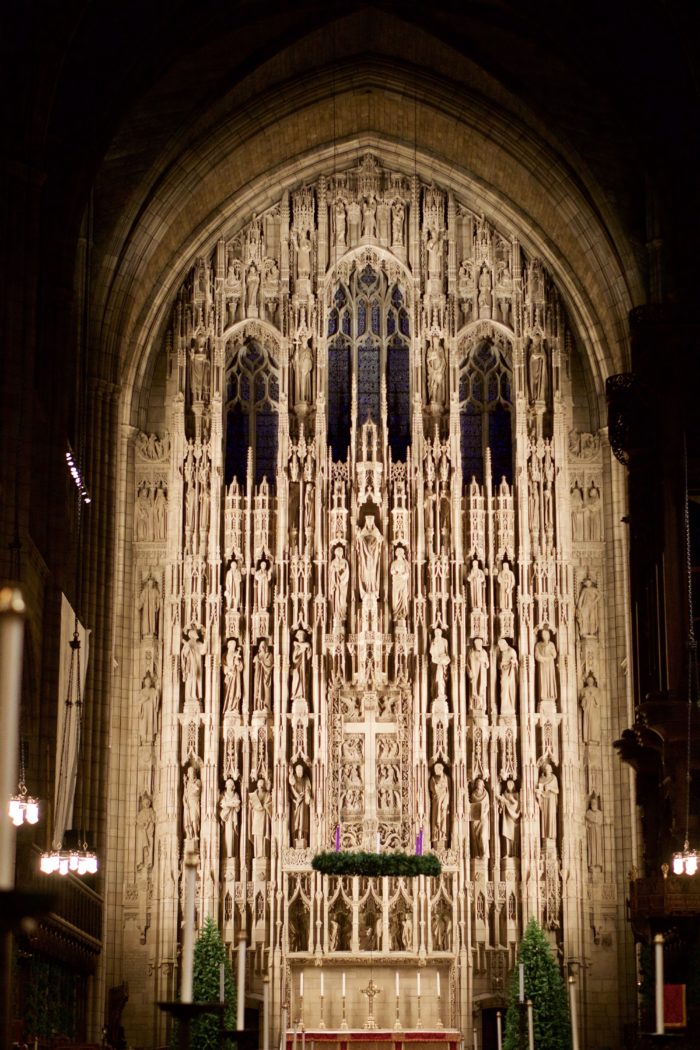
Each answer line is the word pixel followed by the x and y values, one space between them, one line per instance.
pixel 367 383
pixel 396 296
pixel 265 446
pixel 339 297
pixel 361 317
pixel 470 439
pixel 346 322
pixel 231 386
pixel 368 276
pixel 463 387
pixel 505 387
pixel 253 356
pixel 501 445
pixel 260 392
pixel 376 317
pixel 274 388
pixel 333 322
pixel 404 323
pixel 236 446
pixel 398 400
pixel 477 387
pixel 339 400
pixel 390 322
pixel 492 386
pixel 244 388
pixel 484 357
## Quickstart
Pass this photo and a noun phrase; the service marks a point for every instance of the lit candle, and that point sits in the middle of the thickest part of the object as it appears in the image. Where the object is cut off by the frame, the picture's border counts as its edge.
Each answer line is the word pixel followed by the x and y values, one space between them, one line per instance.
pixel 521 982
pixel 321 983
pixel 221 983
pixel 343 986
pixel 437 983
pixel 572 1010
pixel 659 966
pixel 11 643
pixel 240 991
pixel 418 984
pixel 530 1026
pixel 190 876
pixel 397 984
pixel 475 1039
pixel 301 985
pixel 499 1031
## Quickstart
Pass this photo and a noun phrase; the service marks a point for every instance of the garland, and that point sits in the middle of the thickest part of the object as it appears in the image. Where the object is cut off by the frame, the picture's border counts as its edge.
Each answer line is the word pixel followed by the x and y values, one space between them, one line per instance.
pixel 376 864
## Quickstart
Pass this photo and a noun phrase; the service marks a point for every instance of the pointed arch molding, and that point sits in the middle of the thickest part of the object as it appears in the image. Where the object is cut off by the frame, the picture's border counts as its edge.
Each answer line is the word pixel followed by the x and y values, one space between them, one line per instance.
pixel 495 165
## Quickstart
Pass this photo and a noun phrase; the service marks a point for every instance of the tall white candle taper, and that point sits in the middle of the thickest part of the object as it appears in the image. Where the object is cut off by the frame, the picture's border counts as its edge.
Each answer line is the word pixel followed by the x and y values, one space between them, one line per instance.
pixel 437 983
pixel 521 982
pixel 321 982
pixel 499 1031
pixel 418 984
pixel 301 984
pixel 188 927
pixel 343 986
pixel 397 984
pixel 530 1026
pixel 572 1010
pixel 659 984
pixel 222 986
pixel 475 1039
pixel 12 610
pixel 240 992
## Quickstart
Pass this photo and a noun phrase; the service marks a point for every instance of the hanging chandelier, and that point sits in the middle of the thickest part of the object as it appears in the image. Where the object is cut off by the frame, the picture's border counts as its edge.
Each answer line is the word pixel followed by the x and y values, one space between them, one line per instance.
pixel 81 861
pixel 685 862
pixel 23 807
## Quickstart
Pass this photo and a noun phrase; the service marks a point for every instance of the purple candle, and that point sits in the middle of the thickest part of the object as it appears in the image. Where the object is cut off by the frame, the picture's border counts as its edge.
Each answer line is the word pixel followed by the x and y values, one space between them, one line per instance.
pixel 420 843
pixel 337 838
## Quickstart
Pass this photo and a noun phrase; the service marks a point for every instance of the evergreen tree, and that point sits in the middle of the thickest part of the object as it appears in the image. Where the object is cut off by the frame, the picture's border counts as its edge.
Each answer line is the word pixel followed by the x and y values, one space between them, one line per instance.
pixel 544 985
pixel 209 953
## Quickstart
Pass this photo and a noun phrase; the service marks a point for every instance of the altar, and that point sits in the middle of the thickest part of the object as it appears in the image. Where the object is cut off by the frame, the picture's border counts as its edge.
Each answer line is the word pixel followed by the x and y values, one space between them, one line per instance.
pixel 377 1039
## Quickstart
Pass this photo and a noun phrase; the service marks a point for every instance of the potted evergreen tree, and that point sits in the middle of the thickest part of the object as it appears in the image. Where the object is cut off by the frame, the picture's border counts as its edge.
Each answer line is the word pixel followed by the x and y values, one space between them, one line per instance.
pixel 209 953
pixel 545 987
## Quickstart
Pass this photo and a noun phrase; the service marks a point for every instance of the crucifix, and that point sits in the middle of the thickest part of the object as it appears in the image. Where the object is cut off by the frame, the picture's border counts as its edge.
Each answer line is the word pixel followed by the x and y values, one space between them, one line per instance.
pixel 370 991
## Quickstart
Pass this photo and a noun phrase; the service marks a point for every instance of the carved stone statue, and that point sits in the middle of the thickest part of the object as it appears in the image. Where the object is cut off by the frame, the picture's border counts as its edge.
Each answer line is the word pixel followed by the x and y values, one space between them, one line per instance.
pixel 263 663
pixel 433 252
pixel 590 705
pixel 440 658
pixel 548 798
pixel 301 652
pixel 191 664
pixel 303 247
pixel 397 216
pixel 477 670
pixel 338 579
pixel 578 514
pixel 149 607
pixel 339 212
pixel 145 833
pixel 232 586
pixel 506 583
pixel 594 834
pixel 480 814
pixel 191 803
pixel 593 530
pixel 508 674
pixel 262 577
pixel 148 710
pixel 537 369
pixel 509 805
pixel 369 547
pixel 252 284
pixel 400 572
pixel 233 675
pixel 260 802
pixel 477 586
pixel 229 808
pixel 439 805
pixel 587 609
pixel 545 657
pixel 143 513
pixel 199 369
pixel 303 371
pixel 436 371
pixel 300 798
pixel 160 512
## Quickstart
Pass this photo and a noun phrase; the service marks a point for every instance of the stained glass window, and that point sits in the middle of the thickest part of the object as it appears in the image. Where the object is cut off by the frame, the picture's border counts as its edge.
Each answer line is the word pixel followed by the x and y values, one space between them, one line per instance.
pixel 398 399
pixel 339 399
pixel 252 389
pixel 367 382
pixel 484 393
pixel 265 445
pixel 236 445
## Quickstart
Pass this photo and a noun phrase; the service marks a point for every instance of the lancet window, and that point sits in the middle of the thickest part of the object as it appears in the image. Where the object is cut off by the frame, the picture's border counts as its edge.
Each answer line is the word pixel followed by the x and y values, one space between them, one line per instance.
pixel 252 397
pixel 368 331
pixel 485 391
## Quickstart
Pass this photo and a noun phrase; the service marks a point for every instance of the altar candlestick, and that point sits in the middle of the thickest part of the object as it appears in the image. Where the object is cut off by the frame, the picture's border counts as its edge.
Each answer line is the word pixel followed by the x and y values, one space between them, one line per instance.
pixel 321 982
pixel 418 984
pixel 240 991
pixel 521 982
pixel 343 986
pixel 530 1026
pixel 301 985
pixel 659 984
pixel 397 984
pixel 190 876
pixel 222 987
pixel 437 983
pixel 572 1011
pixel 12 612
pixel 475 1039
pixel 499 1031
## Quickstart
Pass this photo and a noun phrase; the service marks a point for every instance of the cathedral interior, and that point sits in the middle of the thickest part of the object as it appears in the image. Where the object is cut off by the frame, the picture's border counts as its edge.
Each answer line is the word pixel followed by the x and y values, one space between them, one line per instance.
pixel 350 474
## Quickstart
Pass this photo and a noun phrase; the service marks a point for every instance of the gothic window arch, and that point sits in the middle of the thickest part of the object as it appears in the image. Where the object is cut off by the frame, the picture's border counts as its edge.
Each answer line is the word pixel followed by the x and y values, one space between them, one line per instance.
pixel 252 405
pixel 368 336
pixel 485 405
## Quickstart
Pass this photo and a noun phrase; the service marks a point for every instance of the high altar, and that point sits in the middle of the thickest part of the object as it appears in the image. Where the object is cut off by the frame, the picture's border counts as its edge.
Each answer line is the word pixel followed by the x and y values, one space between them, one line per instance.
pixel 369 594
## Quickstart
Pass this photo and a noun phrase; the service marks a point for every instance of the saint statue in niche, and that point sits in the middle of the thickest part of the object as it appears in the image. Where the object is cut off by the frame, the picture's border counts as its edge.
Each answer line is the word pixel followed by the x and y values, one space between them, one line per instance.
pixel 440 658
pixel 594 834
pixel 304 370
pixel 369 546
pixel 436 371
pixel 233 673
pixel 590 705
pixel 545 656
pixel 145 832
pixel 149 607
pixel 400 572
pixel 548 798
pixel 338 579
pixel 191 664
pixel 148 710
pixel 477 586
pixel 260 803
pixel 191 803
pixel 301 651
pixel 587 609
pixel 440 805
pixel 508 673
pixel 477 670
pixel 506 583
pixel 229 808
pixel 480 813
pixel 300 795
pixel 263 662
pixel 509 805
